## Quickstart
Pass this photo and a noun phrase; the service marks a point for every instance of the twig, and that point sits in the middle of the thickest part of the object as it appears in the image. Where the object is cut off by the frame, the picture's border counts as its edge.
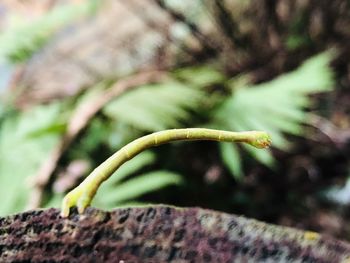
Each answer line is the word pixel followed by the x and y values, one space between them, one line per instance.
pixel 210 46
pixel 80 119
pixel 228 25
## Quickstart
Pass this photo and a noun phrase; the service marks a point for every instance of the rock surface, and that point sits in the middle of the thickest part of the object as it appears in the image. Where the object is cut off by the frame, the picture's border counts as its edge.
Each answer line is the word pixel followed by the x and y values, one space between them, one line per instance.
pixel 158 234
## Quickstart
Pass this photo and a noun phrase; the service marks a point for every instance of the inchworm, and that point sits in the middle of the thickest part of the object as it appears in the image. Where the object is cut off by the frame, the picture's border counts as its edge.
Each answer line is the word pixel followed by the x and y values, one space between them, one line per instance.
pixel 82 195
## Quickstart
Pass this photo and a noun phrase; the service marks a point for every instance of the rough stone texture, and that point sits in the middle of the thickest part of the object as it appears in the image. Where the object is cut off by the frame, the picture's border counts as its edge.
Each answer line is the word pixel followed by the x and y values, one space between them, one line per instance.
pixel 158 234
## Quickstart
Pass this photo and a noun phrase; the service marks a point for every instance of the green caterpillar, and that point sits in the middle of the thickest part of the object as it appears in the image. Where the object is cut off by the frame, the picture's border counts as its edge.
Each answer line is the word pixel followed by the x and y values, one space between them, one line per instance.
pixel 82 195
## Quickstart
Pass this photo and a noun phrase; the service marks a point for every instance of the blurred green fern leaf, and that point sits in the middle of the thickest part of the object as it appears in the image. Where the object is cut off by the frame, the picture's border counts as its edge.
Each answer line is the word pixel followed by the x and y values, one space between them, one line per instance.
pixel 200 76
pixel 232 159
pixel 21 40
pixel 21 153
pixel 118 189
pixel 140 185
pixel 277 106
pixel 155 107
pixel 138 162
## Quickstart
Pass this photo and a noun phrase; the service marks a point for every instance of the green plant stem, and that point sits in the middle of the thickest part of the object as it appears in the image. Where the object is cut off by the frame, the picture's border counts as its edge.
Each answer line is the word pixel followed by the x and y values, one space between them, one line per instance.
pixel 83 194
